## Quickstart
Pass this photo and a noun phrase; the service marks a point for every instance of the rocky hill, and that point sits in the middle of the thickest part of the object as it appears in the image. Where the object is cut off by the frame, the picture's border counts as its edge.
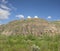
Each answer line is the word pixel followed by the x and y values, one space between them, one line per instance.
pixel 34 26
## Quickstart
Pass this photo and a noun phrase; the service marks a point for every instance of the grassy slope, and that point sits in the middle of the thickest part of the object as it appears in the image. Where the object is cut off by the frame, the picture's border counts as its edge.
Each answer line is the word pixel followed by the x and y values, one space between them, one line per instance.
pixel 25 43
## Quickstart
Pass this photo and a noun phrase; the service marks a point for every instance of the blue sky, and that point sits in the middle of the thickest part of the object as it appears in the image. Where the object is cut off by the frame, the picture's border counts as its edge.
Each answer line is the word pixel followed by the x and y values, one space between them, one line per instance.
pixel 15 9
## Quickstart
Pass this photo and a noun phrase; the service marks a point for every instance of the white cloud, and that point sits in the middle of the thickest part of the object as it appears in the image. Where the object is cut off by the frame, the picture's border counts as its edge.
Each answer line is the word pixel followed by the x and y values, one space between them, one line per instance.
pixel 49 17
pixel 29 17
pixel 20 16
pixel 5 10
pixel 35 16
pixel 4 14
pixel 4 1
pixel 4 7
pixel 0 24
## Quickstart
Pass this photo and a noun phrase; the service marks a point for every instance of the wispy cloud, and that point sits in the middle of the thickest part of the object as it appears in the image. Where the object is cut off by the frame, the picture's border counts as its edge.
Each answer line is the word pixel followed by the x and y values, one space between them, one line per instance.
pixel 12 7
pixel 5 7
pixel 20 16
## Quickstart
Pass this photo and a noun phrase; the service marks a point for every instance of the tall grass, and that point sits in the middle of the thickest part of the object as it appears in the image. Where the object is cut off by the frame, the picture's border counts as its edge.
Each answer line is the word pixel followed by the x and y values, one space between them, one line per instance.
pixel 26 43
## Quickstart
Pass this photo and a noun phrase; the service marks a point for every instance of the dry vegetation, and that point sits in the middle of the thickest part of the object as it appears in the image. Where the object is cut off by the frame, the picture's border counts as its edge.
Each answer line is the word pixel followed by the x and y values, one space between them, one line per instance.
pixel 33 26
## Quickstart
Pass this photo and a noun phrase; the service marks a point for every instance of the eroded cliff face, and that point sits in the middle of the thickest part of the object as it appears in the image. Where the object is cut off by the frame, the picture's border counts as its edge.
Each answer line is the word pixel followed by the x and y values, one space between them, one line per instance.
pixel 29 26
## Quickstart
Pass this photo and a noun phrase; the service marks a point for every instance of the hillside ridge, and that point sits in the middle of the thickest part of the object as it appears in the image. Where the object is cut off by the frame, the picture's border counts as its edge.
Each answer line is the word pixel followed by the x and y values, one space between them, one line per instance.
pixel 34 26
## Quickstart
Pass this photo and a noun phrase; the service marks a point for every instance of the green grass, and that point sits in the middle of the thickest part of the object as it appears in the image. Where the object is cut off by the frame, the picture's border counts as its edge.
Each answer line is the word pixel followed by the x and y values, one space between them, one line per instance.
pixel 26 43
